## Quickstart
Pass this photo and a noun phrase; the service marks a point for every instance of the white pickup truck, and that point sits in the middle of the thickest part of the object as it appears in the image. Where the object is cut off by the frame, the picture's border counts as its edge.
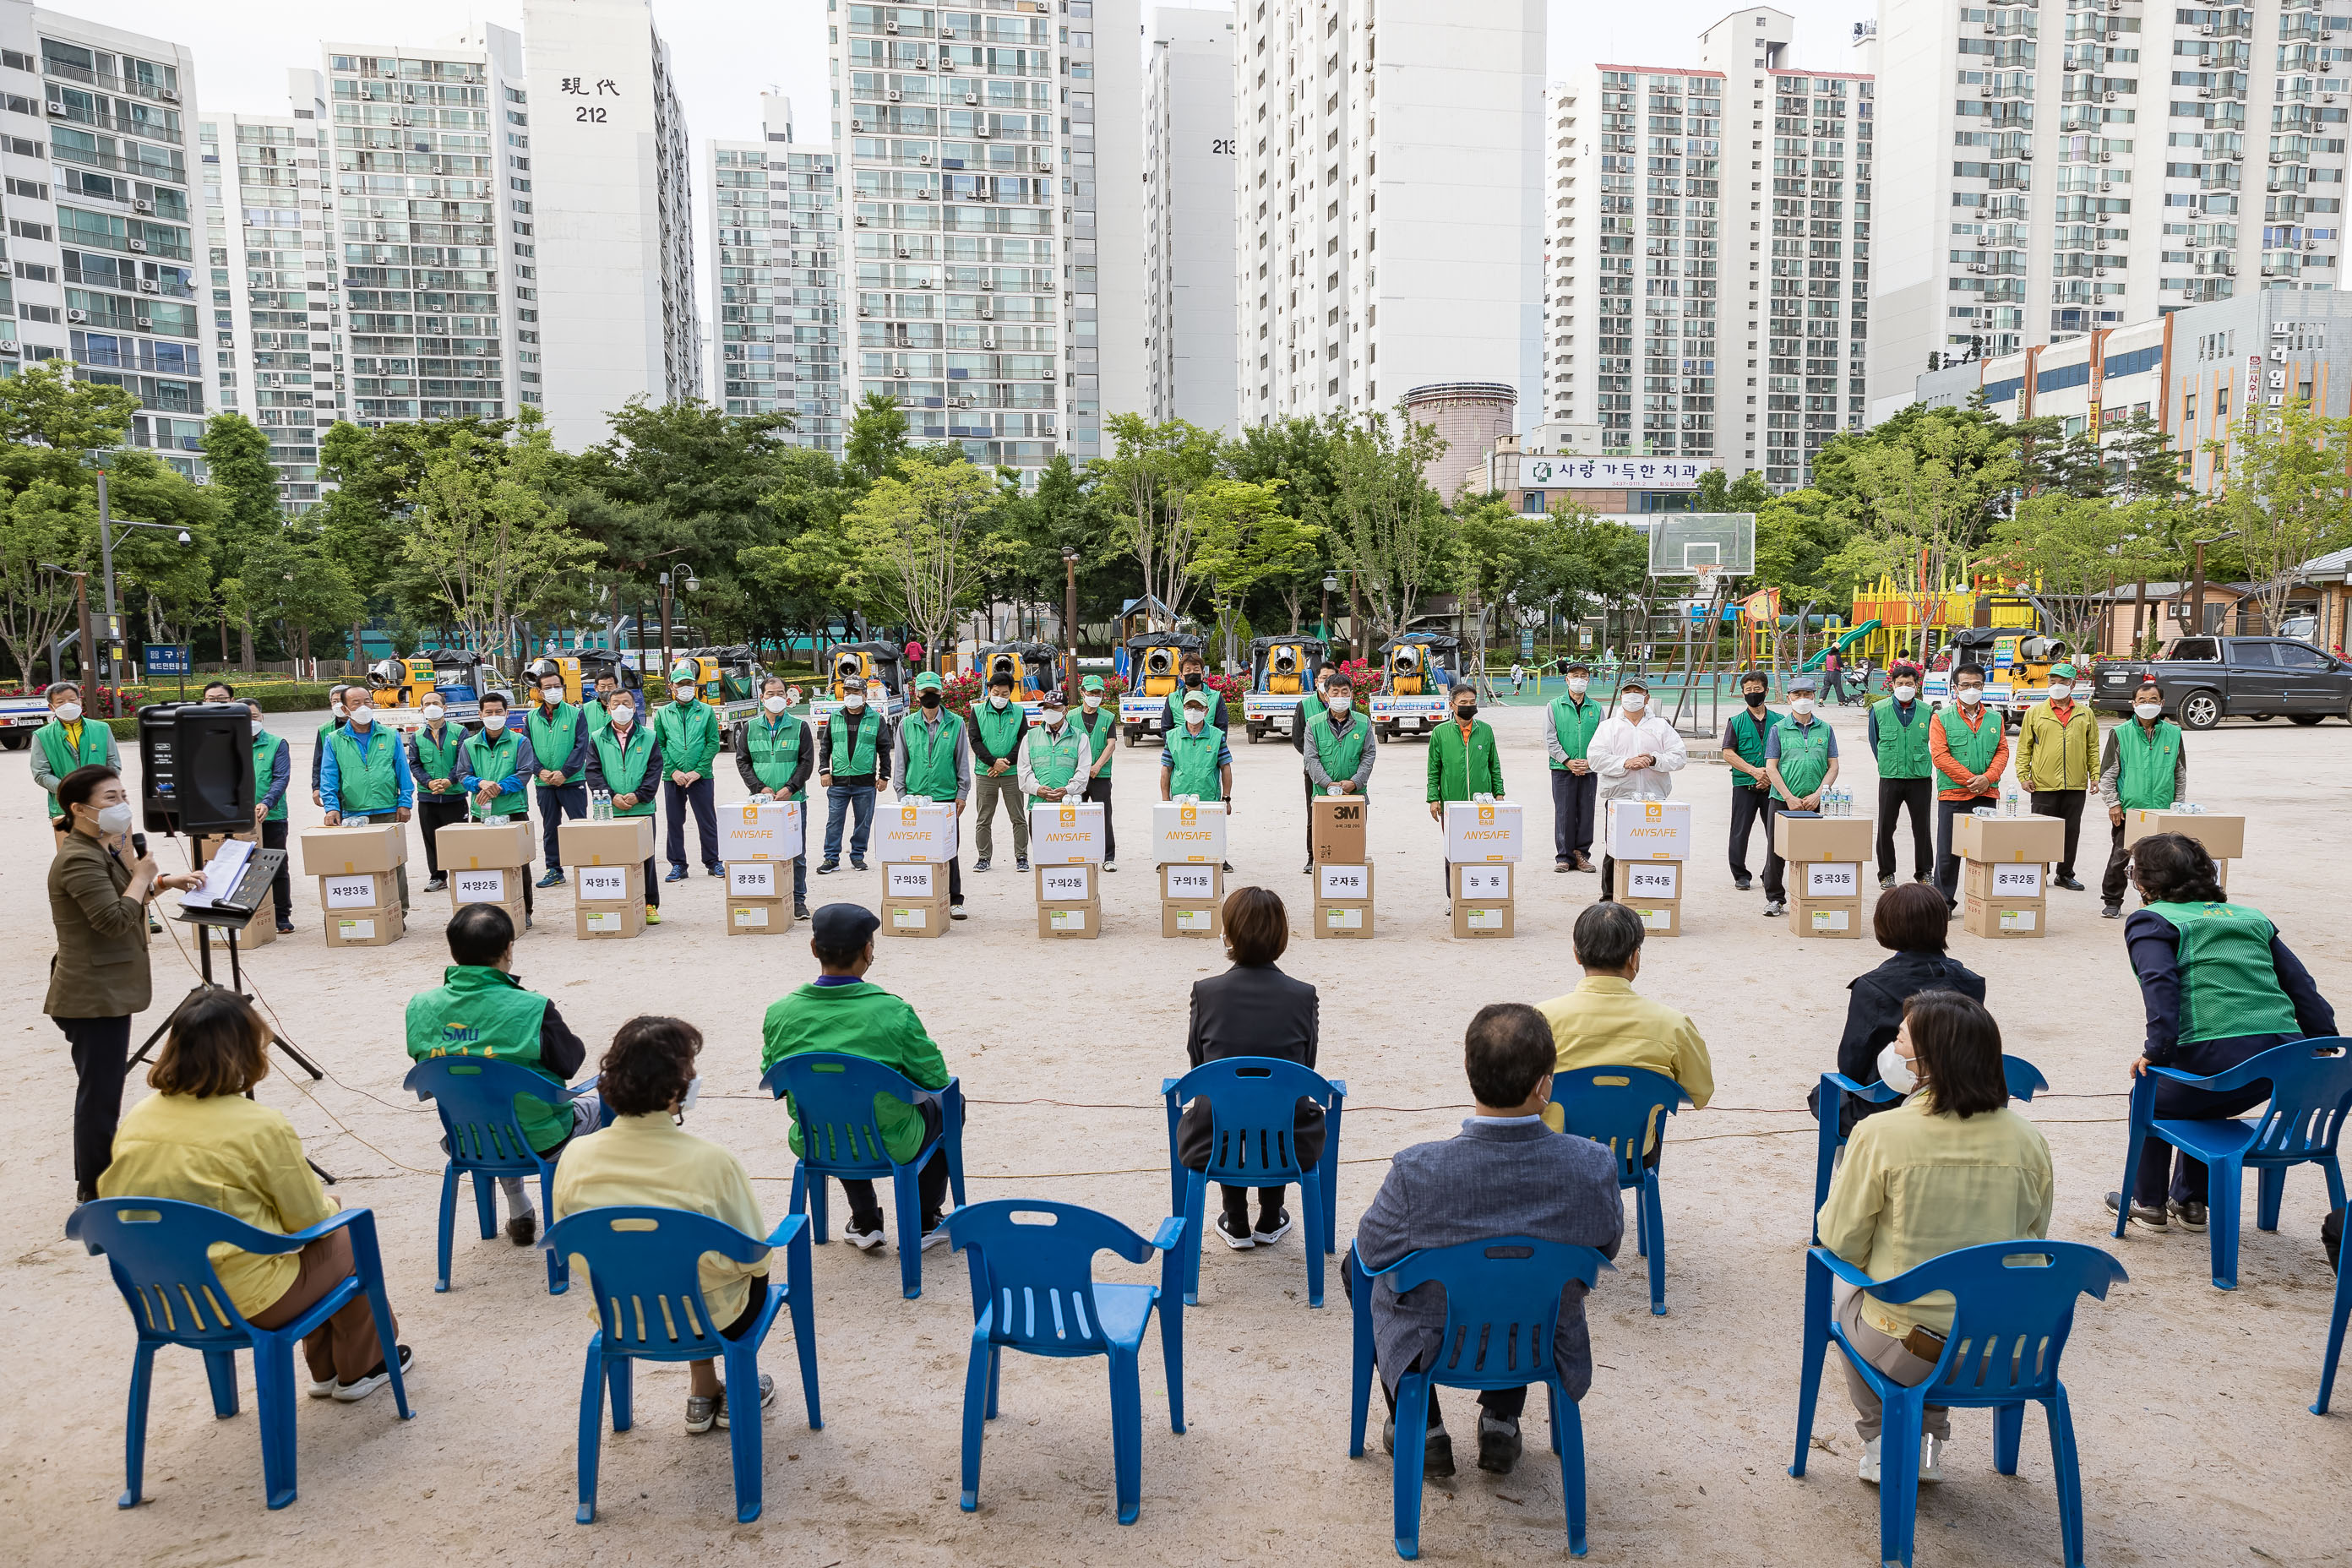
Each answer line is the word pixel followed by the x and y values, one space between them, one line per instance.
pixel 20 717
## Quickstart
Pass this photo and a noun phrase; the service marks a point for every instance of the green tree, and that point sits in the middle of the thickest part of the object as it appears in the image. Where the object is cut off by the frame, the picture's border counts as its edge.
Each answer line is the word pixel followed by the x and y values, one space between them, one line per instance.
pixel 1389 524
pixel 2050 461
pixel 1153 469
pixel 913 536
pixel 2147 461
pixel 2074 548
pixel 877 436
pixel 366 518
pixel 2285 490
pixel 1243 538
pixel 1923 503
pixel 236 457
pixel 44 405
pixel 1716 491
pixel 291 582
pixel 42 521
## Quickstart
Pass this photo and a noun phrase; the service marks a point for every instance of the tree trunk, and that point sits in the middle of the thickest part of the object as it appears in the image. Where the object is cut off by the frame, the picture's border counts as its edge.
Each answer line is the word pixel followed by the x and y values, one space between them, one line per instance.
pixel 244 650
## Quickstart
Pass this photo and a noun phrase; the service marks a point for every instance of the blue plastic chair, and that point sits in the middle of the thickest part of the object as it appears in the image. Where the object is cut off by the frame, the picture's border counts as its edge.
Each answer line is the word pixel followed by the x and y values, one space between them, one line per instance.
pixel 832 1098
pixel 1622 1108
pixel 1502 1311
pixel 156 1249
pixel 1253 1113
pixel 1033 1289
pixel 2311 1092
pixel 2335 1325
pixel 475 1096
pixel 643 1265
pixel 2014 1306
pixel 2025 1081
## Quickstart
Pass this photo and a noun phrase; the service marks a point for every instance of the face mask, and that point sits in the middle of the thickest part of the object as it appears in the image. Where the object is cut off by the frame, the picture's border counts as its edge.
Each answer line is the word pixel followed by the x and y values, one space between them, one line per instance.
pixel 683 693
pixel 550 695
pixel 2149 712
pixel 1192 679
pixel 494 722
pixel 693 1093
pixel 1971 695
pixel 1341 704
pixel 775 705
pixel 69 712
pixel 853 701
pixel 114 820
pixel 1906 693
pixel 432 715
pixel 928 699
pixel 1468 711
pixel 1895 1072
pixel 361 718
pixel 1802 707
pixel 625 715
pixel 1577 684
pixel 1634 702
pixel 2059 691
pixel 1756 700
pixel 997 700
pixel 1092 703
pixel 1195 717
pixel 1054 717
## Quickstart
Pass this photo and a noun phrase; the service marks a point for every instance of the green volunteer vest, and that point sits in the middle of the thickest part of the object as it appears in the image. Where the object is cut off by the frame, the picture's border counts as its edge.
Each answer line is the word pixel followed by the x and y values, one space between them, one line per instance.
pixel 441 759
pixel 1574 722
pixel 552 739
pixel 1002 732
pixel 624 767
pixel 1972 748
pixel 930 759
pixel 2145 764
pixel 486 758
pixel 1193 761
pixel 1175 720
pixel 367 779
pixel 689 730
pixel 1341 753
pixel 1902 747
pixel 776 750
pixel 599 720
pixel 1054 762
pixel 63 754
pixel 479 1012
pixel 2228 986
pixel 1804 758
pixel 264 757
pixel 860 751
pixel 1100 731
pixel 1312 708
pixel 1749 734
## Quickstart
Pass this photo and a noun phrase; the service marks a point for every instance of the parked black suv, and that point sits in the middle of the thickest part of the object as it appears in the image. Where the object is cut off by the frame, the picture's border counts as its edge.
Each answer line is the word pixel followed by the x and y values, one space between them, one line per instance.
pixel 2206 680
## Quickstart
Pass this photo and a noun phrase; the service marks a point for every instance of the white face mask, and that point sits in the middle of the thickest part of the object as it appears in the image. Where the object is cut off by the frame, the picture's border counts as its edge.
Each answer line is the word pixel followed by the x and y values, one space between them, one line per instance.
pixel 1054 717
pixel 2059 691
pixel 625 715
pixel 494 722
pixel 433 714
pixel 2149 711
pixel 997 700
pixel 1092 703
pixel 1906 693
pixel 550 695
pixel 775 705
pixel 693 1093
pixel 1971 695
pixel 1802 707
pixel 114 820
pixel 1632 702
pixel 853 701
pixel 360 718
pixel 1577 684
pixel 1893 1071
pixel 1194 718
pixel 683 693
pixel 1342 704
pixel 69 713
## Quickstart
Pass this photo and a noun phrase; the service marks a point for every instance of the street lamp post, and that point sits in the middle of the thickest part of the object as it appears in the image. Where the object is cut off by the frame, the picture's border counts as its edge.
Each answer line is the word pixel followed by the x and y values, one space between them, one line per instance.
pixel 689 583
pixel 82 600
pixel 1070 621
pixel 107 525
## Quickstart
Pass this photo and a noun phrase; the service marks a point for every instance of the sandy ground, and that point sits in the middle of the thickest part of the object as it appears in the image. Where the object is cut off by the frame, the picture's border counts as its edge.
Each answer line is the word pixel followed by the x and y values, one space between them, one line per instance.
pixel 2190 1402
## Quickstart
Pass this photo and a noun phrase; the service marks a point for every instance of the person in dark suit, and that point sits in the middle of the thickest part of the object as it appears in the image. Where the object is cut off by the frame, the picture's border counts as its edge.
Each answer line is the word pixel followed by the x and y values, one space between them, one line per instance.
pixel 1505 1173
pixel 1252 1010
pixel 99 887
pixel 1914 927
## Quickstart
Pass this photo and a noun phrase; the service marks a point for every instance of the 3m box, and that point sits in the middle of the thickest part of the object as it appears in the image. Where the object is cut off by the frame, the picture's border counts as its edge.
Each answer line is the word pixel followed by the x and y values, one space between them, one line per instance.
pixel 614 884
pixel 1349 883
pixel 759 917
pixel 1192 917
pixel 1810 838
pixel 1648 882
pixel 1336 826
pixel 1999 918
pixel 613 923
pixel 1825 916
pixel 1658 920
pixel 1342 918
pixel 1068 833
pixel 497 885
pixel 915 916
pixel 2225 837
pixel 1483 884
pixel 617 841
pixel 759 880
pixel 1181 831
pixel 1185 883
pixel 1483 830
pixel 909 831
pixel 361 890
pixel 1648 829
pixel 1825 881
pixel 763 830
pixel 1069 884
pixel 2016 839
pixel 480 846
pixel 2001 881
pixel 365 928
pixel 376 846
pixel 1485 917
pixel 1069 920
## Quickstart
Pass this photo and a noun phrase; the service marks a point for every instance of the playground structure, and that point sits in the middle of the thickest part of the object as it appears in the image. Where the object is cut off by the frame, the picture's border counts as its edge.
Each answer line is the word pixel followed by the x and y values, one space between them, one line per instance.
pixel 1706 551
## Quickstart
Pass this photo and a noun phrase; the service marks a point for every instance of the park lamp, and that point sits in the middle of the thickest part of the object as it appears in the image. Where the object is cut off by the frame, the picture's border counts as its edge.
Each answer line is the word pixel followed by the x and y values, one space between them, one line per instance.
pixel 1330 582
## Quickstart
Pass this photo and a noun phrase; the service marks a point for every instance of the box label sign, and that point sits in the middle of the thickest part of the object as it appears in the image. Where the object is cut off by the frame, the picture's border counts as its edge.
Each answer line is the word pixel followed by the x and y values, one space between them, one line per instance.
pixel 1343 919
pixel 1833 879
pixel 1657 920
pixel 2017 881
pixel 1486 881
pixel 1657 879
pixel 753 917
pixel 751 880
pixel 608 883
pixel 348 892
pixel 610 920
pixel 910 881
pixel 2017 919
pixel 479 887
pixel 1831 920
pixel 355 931
pixel 1484 920
pixel 1189 881
pixel 1066 919
pixel 909 918
pixel 1351 882
pixel 1068 884
pixel 1195 920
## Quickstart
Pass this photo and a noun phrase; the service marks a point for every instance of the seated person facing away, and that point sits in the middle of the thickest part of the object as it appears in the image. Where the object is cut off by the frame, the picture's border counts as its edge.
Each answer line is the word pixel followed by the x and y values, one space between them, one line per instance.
pixel 1504 1174
pixel 841 1011
pixel 645 1159
pixel 1952 1166
pixel 1252 1010
pixel 481 1009
pixel 1601 1024
pixel 197 1139
pixel 1915 928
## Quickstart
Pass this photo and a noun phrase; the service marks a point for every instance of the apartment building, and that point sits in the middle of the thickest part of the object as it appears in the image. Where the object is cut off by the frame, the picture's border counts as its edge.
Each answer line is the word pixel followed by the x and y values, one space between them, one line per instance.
pixel 992 174
pixel 1190 219
pixel 97 144
pixel 2060 172
pixel 775 295
pixel 1388 189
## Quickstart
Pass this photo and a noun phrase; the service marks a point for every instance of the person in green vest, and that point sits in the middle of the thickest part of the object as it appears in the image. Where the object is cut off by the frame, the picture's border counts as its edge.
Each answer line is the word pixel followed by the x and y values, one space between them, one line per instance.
pixel 998 725
pixel 1195 760
pixel 1341 749
pixel 273 771
pixel 2145 767
pixel 481 1009
pixel 853 762
pixel 433 762
pixel 1898 744
pixel 366 771
pixel 841 1011
pixel 2220 987
pixel 319 744
pixel 1744 735
pixel 932 758
pixel 1191 675
pixel 1311 706
pixel 558 732
pixel 1099 722
pixel 1462 762
pixel 67 743
pixel 1969 745
pixel 774 754
pixel 1575 788
pixel 496 768
pixel 1800 761
pixel 689 732
pixel 623 762
pixel 599 714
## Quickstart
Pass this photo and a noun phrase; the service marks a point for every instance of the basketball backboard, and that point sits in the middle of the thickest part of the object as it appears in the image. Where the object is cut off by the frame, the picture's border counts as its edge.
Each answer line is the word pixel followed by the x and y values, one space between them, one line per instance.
pixel 1681 544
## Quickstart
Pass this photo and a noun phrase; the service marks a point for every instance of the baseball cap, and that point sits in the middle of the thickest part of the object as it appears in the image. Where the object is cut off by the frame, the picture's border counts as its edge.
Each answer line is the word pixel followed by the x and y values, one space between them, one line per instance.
pixel 1091 683
pixel 1803 683
pixel 928 681
pixel 839 928
pixel 1196 699
pixel 2061 671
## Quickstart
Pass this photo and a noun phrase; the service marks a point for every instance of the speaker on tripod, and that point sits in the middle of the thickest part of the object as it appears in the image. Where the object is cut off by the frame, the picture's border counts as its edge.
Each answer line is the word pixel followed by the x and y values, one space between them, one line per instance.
pixel 195 767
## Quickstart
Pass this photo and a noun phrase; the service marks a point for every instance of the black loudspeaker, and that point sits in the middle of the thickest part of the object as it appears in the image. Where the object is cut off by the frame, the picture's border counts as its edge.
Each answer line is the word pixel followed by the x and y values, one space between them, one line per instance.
pixel 196 767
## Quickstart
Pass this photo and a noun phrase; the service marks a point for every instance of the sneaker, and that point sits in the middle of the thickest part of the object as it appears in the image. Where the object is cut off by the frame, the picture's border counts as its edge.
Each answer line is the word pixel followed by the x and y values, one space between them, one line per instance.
pixel 2111 911
pixel 1744 883
pixel 1931 1457
pixel 1308 870
pixel 1021 862
pixel 1229 867
pixel 323 1387
pixel 1110 865
pixel 858 863
pixel 767 1397
pixel 1559 866
pixel 677 874
pixel 800 911
pixel 2152 1216
pixel 1271 1228
pixel 934 1235
pixel 285 928
pixel 523 1230
pixel 714 870
pixel 653 917
pixel 1240 1238
pixel 436 884
pixel 2191 1216
pixel 864 1240
pixel 1498 1443
pixel 1437 1452
pixel 1776 906
pixel 2068 883
pixel 827 868
pixel 352 1392
pixel 555 878
pixel 955 913
pixel 980 864
pixel 1886 883
pixel 1870 1461
pixel 701 1413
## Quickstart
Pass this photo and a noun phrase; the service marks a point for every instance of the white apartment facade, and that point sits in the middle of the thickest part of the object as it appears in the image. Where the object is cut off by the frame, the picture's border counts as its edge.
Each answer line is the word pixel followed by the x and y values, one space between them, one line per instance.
pixel 97 144
pixel 776 293
pixel 1189 219
pixel 1389 191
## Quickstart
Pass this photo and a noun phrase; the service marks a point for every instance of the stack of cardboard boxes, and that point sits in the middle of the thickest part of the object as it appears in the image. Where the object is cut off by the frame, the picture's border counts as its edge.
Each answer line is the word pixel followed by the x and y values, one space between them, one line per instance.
pixel 1067 836
pixel 607 860
pixel 357 885
pixel 1343 871
pixel 1825 856
pixel 1482 844
pixel 2005 872
pixel 486 864
pixel 1650 842
pixel 1188 847
pixel 916 841
pixel 758 841
pixel 2224 836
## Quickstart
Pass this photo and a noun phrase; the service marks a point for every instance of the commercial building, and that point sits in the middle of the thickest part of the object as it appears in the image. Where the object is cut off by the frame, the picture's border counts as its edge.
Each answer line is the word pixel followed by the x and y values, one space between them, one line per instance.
pixel 1188 219
pixel 775 291
pixel 96 143
pixel 1390 187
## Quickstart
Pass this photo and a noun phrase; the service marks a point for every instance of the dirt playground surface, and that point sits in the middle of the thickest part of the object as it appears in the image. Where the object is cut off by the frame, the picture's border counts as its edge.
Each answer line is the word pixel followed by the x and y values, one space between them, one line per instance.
pixel 2190 1402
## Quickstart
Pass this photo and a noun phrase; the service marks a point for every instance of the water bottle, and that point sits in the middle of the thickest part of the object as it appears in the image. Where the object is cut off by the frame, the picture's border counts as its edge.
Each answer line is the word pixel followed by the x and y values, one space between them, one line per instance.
pixel 2008 802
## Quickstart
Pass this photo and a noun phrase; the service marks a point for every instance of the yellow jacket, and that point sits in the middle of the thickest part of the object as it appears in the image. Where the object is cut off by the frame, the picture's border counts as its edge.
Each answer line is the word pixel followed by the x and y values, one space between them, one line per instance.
pixel 1603 1023
pixel 2051 755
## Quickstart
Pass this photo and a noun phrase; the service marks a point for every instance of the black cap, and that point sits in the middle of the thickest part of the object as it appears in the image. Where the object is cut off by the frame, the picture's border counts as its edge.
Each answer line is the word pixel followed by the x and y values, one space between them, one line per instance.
pixel 843 928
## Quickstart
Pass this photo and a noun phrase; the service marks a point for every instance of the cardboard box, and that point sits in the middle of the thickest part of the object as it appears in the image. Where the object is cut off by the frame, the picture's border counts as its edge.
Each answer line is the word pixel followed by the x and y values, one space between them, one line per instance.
pixel 759 917
pixel 262 929
pixel 1492 917
pixel 762 830
pixel 2015 839
pixel 360 890
pixel 1069 884
pixel 1483 830
pixel 1483 884
pixel 1192 917
pixel 378 846
pixel 609 923
pixel 365 928
pixel 516 914
pixel 2224 837
pixel 609 885
pixel 1810 838
pixel 1185 884
pixel 480 846
pixel 914 882
pixel 1825 881
pixel 2000 918
pixel 2002 881
pixel 1662 919
pixel 1343 918
pixel 1648 882
pixel 915 916
pixel 759 880
pixel 1826 917
pixel 1069 920
pixel 909 832
pixel 1648 830
pixel 497 885
pixel 1336 826
pixel 1068 833
pixel 617 841
pixel 1183 831
pixel 1338 882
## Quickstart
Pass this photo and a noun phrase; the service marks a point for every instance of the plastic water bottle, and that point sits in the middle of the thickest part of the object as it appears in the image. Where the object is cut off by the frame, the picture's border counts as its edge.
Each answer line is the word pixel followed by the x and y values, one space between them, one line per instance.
pixel 2008 802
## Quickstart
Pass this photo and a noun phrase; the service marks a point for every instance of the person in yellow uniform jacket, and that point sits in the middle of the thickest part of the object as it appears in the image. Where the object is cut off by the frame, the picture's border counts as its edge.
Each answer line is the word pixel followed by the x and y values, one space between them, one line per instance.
pixel 1462 762
pixel 2058 761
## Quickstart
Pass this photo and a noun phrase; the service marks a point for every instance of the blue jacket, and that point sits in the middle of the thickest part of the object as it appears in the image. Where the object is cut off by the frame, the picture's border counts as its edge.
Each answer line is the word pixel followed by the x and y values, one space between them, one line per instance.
pixel 330 775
